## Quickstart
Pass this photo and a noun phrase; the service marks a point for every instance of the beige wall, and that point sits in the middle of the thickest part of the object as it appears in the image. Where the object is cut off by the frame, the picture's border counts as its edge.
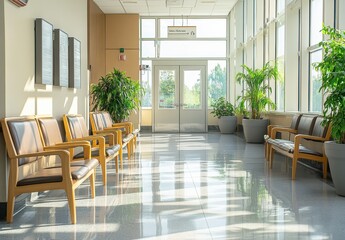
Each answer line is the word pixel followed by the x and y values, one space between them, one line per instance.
pixel 96 38
pixel 22 96
pixel 122 31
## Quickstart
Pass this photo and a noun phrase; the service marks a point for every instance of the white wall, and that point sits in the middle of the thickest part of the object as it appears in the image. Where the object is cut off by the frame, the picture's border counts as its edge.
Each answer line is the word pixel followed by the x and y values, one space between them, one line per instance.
pixel 17 70
pixel 23 96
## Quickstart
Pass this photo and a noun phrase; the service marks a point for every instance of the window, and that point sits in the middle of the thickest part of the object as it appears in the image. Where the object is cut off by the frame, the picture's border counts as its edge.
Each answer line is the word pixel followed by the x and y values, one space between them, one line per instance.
pixel 146 83
pixel 315 54
pixel 316 19
pixel 206 28
pixel 190 49
pixel 148 28
pixel 315 97
pixel 280 46
pixel 216 80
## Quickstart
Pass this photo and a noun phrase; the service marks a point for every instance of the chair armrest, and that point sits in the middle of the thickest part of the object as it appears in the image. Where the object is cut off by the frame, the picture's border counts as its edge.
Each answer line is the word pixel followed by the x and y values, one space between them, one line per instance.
pixel 299 137
pixel 126 125
pixel 67 145
pixel 282 129
pixel 107 134
pixel 269 129
pixel 116 133
pixel 64 157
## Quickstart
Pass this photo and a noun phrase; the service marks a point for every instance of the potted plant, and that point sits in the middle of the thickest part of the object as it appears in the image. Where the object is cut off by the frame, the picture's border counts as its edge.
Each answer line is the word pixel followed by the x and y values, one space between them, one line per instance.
pixel 255 96
pixel 332 69
pixel 117 94
pixel 224 111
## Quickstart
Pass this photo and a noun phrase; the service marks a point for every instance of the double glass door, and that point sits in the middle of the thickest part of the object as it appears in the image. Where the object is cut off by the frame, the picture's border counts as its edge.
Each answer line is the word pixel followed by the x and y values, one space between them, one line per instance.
pixel 179 98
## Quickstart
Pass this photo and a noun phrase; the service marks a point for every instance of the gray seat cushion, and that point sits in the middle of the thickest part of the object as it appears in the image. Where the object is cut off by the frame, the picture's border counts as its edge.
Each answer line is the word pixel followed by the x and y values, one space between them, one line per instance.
pixel 54 174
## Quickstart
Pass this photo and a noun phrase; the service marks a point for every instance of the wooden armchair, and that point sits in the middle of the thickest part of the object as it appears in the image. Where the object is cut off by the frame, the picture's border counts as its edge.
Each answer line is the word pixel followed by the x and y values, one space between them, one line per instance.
pixel 294 125
pixel 309 130
pixel 98 126
pixel 76 130
pixel 33 170
pixel 108 122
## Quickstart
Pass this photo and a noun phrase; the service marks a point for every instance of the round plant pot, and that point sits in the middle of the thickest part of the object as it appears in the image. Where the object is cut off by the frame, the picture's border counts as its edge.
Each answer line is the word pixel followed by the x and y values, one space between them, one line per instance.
pixel 254 129
pixel 335 153
pixel 227 124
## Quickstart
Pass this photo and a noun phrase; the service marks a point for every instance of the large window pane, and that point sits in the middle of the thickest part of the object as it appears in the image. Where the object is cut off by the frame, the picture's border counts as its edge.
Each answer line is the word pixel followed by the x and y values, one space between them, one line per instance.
pixel 190 49
pixel 280 6
pixel 148 49
pixel 146 83
pixel 148 28
pixel 315 97
pixel 280 52
pixel 205 28
pixel 191 89
pixel 316 19
pixel 166 92
pixel 216 80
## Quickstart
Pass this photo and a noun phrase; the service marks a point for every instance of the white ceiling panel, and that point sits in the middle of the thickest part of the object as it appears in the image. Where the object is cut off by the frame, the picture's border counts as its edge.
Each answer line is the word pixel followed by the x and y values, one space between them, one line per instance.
pixel 167 7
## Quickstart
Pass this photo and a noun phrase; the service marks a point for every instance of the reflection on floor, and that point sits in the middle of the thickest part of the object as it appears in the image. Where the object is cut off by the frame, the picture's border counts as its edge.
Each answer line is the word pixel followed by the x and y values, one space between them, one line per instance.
pixel 191 186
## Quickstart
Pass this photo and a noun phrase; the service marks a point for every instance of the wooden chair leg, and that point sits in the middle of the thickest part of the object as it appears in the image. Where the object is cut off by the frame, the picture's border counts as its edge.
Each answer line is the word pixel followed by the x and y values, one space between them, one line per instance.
pixel 116 163
pixel 104 172
pixel 294 167
pixel 10 205
pixel 270 156
pixel 121 157
pixel 129 151
pixel 71 203
pixel 324 169
pixel 92 184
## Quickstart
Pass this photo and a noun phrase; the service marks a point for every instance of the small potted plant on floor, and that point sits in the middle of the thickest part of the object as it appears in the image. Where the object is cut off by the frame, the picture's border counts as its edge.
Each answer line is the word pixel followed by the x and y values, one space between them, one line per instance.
pixel 224 111
pixel 255 96
pixel 332 69
pixel 117 94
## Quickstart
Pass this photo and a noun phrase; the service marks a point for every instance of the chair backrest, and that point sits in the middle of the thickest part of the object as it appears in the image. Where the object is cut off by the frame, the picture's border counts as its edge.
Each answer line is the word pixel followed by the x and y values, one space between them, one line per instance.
pixel 97 122
pixel 306 124
pixel 51 133
pixel 295 121
pixel 107 120
pixel 22 137
pixel 319 130
pixel 75 126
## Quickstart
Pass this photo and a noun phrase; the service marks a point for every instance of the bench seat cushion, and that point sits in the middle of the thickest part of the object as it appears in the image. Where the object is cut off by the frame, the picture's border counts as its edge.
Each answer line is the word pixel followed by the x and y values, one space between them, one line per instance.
pixel 127 138
pixel 136 131
pixel 51 175
pixel 289 146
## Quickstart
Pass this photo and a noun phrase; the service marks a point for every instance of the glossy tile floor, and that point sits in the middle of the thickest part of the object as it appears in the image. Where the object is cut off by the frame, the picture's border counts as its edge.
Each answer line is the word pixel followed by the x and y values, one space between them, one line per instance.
pixel 191 186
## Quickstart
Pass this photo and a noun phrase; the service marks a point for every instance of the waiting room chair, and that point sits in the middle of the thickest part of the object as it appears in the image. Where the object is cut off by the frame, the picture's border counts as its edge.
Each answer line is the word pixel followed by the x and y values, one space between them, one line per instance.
pixel 76 130
pixel 34 169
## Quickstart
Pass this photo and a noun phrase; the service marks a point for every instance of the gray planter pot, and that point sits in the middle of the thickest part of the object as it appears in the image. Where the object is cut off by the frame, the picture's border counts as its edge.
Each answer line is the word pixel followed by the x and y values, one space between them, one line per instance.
pixel 335 153
pixel 227 124
pixel 254 129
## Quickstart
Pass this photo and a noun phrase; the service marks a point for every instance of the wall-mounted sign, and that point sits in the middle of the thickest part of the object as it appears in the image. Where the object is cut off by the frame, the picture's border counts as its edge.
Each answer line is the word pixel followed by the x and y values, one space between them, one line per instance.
pixel 60 58
pixel 43 52
pixel 182 32
pixel 19 3
pixel 74 62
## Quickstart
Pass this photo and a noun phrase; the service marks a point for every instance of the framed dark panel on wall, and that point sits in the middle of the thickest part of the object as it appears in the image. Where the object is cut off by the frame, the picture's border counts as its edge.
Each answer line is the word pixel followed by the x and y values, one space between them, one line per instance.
pixel 43 52
pixel 60 58
pixel 74 62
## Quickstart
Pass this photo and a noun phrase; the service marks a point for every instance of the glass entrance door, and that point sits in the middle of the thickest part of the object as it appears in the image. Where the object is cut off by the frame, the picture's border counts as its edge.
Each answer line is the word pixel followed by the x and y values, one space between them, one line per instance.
pixel 179 98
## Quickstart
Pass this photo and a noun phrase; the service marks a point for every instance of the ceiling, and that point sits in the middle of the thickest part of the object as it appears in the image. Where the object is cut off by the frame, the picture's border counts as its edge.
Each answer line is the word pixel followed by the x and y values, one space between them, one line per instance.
pixel 167 7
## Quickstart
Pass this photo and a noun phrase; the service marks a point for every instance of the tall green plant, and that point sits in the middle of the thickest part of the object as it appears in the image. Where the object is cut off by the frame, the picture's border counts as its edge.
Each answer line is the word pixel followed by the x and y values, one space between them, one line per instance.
pixel 332 69
pixel 256 87
pixel 117 94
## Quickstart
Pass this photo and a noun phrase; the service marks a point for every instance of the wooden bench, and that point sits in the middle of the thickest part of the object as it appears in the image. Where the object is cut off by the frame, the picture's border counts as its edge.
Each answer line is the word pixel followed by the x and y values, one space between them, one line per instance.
pixel 309 130
pixel 33 170
pixel 76 130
